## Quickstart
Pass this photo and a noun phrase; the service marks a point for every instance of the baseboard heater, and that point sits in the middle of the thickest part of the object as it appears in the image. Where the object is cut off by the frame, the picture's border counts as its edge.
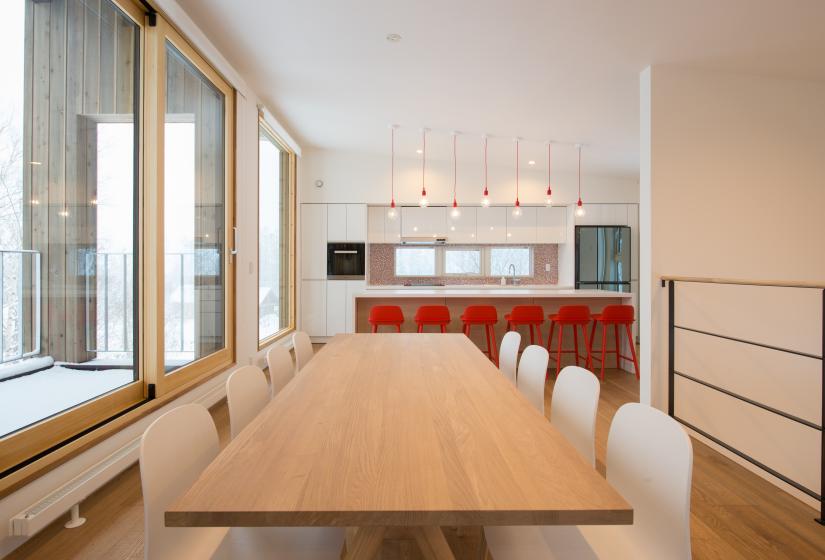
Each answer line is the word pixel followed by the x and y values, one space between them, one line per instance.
pixel 38 515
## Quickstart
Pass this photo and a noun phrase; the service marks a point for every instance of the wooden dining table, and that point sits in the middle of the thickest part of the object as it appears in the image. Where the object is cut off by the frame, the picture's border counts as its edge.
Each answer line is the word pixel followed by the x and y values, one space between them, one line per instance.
pixel 386 431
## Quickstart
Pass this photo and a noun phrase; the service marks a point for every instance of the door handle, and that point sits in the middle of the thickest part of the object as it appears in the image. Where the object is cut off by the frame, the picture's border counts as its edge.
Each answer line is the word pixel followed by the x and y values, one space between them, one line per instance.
pixel 234 250
pixel 350 252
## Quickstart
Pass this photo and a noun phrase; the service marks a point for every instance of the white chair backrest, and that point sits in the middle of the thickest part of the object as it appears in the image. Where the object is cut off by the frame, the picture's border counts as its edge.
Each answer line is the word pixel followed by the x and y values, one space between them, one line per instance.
pixel 303 349
pixel 246 395
pixel 650 462
pixel 281 370
pixel 532 371
pixel 508 355
pixel 174 450
pixel 573 409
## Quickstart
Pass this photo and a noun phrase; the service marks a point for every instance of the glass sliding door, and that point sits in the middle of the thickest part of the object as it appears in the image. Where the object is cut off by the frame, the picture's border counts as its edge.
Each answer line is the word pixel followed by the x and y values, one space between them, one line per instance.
pixel 69 216
pixel 196 226
pixel 276 203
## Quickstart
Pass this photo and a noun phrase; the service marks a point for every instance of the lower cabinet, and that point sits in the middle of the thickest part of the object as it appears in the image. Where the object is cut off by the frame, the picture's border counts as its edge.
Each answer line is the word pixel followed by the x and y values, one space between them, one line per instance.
pixel 340 308
pixel 314 307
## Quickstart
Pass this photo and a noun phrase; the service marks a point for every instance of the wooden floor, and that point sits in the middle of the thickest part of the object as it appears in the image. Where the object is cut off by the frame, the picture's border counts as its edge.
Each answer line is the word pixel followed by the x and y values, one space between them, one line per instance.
pixel 735 514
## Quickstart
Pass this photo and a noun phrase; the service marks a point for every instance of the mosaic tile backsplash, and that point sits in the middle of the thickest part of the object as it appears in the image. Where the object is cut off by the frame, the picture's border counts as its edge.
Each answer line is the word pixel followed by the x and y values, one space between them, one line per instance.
pixel 382 269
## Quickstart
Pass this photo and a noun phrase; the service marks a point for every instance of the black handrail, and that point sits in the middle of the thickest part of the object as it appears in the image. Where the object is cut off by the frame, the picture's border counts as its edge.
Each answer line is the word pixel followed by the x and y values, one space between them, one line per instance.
pixel 672 373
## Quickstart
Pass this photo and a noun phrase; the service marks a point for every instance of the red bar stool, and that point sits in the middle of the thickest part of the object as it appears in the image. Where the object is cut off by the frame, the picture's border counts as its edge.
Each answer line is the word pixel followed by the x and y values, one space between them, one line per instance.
pixel 527 315
pixel 386 315
pixel 616 315
pixel 438 315
pixel 574 316
pixel 486 316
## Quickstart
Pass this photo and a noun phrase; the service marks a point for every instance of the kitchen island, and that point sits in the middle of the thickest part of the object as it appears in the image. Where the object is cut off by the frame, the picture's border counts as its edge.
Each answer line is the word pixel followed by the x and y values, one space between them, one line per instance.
pixel 457 298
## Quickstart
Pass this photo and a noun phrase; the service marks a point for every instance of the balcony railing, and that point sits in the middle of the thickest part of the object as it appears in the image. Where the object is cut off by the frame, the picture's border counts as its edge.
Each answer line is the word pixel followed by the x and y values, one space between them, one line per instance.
pixel 14 299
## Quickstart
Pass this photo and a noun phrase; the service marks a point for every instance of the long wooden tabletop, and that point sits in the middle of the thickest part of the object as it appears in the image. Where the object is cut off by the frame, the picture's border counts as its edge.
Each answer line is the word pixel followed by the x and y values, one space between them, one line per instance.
pixel 399 430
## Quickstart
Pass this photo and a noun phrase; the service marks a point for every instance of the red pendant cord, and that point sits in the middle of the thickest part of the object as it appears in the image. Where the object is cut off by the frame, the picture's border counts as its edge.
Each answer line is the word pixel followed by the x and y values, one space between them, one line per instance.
pixel 517 202
pixel 423 160
pixel 485 167
pixel 455 174
pixel 549 161
pixel 580 176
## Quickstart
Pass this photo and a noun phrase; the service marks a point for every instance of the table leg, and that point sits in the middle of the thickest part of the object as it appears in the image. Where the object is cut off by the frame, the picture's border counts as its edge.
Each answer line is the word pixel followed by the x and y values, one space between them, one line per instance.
pixel 432 543
pixel 364 543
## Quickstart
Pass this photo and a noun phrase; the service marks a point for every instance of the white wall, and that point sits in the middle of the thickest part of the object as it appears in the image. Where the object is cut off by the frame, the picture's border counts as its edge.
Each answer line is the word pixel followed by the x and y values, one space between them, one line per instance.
pixel 365 178
pixel 246 282
pixel 733 186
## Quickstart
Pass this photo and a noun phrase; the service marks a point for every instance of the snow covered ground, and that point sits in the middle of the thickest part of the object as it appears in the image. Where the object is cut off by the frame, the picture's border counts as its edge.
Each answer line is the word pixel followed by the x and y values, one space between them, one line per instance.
pixel 28 399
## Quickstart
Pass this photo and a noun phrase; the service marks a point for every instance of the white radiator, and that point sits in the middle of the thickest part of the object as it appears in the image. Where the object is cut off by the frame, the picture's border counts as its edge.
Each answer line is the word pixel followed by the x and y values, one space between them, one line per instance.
pixel 38 515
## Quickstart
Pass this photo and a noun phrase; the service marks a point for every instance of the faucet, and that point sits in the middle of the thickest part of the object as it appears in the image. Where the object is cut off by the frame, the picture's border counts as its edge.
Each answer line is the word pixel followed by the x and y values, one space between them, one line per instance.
pixel 512 270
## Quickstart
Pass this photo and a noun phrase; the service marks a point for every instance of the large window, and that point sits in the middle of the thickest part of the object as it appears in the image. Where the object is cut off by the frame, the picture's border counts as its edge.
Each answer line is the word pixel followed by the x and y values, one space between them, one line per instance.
pixel 115 218
pixel 481 261
pixel 462 261
pixel 415 261
pixel 508 261
pixel 276 214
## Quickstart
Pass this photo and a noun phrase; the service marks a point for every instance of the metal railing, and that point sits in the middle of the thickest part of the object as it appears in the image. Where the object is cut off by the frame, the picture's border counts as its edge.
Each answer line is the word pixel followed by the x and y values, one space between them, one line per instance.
pixel 671 282
pixel 108 312
pixel 20 295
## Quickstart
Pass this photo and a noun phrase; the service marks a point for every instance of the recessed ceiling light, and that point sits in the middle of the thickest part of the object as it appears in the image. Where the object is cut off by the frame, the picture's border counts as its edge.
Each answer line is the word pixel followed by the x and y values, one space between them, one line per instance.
pixel 419 151
pixel 393 37
pixel 531 162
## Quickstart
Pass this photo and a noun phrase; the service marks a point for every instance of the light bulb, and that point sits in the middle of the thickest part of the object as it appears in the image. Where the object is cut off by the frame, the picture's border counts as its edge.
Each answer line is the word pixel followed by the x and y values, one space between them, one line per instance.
pixel 579 208
pixel 485 198
pixel 423 201
pixel 548 201
pixel 391 213
pixel 517 211
pixel 455 212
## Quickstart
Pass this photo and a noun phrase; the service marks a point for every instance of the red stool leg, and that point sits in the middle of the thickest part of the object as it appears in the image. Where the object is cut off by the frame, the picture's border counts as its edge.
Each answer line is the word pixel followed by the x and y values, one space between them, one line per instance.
pixel 592 335
pixel 576 344
pixel 632 349
pixel 489 347
pixel 443 328
pixel 493 348
pixel 420 327
pixel 604 347
pixel 558 351
pixel 618 338
pixel 532 335
pixel 588 361
pixel 374 328
pixel 550 336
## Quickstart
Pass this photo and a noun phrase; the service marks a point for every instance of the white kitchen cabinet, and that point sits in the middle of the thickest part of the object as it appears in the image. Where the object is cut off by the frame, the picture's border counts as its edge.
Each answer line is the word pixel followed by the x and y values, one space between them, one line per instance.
pixel 521 229
pixel 314 307
pixel 313 241
pixel 375 224
pixel 423 222
pixel 461 229
pixel 336 222
pixel 604 215
pixel 491 224
pixel 356 228
pixel 551 224
pixel 353 287
pixel 336 316
pixel 392 226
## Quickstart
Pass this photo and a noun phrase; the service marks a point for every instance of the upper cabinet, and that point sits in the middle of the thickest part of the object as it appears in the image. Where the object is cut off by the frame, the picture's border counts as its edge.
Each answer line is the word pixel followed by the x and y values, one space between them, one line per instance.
pixel 604 215
pixel 423 222
pixel 521 228
pixel 551 224
pixel 313 241
pixel 462 228
pixel 491 224
pixel 346 222
pixel 381 228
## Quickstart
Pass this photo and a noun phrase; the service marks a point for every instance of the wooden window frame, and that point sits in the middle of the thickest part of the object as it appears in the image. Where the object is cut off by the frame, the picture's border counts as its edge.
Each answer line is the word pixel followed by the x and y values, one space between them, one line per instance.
pixel 293 211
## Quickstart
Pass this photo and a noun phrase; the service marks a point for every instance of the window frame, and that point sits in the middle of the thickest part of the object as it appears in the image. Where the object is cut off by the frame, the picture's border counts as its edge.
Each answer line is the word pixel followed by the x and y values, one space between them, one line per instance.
pixel 486 255
pixel 293 212
pixel 531 266
pixel 478 249
pixel 437 264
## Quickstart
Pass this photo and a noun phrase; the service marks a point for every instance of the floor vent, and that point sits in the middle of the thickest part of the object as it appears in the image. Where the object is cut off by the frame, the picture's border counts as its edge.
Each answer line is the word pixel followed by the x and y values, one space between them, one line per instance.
pixel 38 515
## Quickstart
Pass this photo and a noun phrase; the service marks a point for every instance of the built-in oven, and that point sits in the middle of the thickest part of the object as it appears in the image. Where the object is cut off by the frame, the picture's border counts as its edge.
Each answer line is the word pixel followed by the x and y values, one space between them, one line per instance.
pixel 345 261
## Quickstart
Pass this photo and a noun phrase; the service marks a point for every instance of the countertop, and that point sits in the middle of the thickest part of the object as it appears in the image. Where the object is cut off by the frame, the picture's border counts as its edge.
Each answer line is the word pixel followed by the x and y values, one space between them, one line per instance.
pixel 487 292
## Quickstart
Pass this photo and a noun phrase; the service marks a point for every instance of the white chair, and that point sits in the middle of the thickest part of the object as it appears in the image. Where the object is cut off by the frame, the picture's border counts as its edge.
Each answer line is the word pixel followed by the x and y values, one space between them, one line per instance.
pixel 246 395
pixel 532 372
pixel 573 409
pixel 303 349
pixel 281 370
pixel 508 355
pixel 173 451
pixel 649 462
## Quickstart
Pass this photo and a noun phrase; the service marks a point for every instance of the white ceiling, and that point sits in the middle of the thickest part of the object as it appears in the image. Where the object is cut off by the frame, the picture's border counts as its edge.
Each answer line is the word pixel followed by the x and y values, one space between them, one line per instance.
pixel 559 69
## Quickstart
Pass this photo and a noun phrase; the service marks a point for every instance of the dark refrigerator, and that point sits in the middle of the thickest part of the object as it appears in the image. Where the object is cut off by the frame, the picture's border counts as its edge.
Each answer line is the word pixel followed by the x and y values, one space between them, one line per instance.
pixel 603 258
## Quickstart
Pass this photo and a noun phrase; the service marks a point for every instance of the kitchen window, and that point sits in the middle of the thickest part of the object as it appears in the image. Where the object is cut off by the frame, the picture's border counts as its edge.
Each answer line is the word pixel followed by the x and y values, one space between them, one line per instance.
pixel 505 260
pixel 415 261
pixel 462 261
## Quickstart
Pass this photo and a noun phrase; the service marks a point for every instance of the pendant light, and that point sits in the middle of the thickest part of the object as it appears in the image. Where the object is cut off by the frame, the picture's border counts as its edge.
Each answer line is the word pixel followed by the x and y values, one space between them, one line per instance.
pixel 579 207
pixel 549 197
pixel 517 205
pixel 391 213
pixel 455 212
pixel 485 197
pixel 423 202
